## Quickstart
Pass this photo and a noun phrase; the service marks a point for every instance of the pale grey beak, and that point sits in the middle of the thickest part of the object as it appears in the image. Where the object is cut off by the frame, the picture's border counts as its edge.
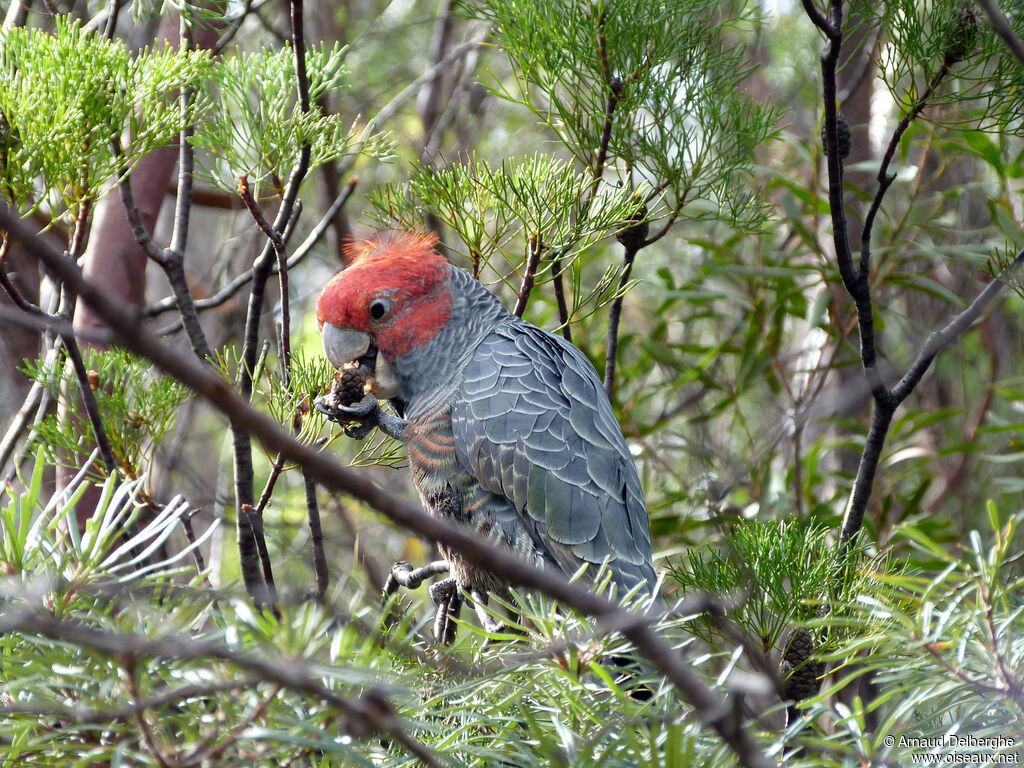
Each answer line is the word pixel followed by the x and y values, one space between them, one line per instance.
pixel 342 346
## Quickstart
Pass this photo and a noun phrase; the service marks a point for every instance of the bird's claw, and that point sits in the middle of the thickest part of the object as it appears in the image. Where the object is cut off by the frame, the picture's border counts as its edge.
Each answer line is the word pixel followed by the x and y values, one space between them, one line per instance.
pixel 446 597
pixel 329 406
pixel 445 594
pixel 359 419
pixel 359 431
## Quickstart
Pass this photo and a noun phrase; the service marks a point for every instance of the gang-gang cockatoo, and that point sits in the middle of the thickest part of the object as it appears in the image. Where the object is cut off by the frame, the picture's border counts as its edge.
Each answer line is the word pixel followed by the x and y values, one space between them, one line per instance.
pixel 507 428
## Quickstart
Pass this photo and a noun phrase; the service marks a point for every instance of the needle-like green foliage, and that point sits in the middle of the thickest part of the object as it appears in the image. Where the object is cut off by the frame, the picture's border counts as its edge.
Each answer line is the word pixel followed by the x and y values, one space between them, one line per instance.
pixel 777 574
pixel 533 202
pixel 257 126
pixel 984 81
pixel 66 96
pixel 137 407
pixel 646 91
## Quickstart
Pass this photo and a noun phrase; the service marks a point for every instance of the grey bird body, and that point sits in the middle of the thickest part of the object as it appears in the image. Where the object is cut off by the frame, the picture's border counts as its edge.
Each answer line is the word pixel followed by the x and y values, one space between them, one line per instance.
pixel 509 432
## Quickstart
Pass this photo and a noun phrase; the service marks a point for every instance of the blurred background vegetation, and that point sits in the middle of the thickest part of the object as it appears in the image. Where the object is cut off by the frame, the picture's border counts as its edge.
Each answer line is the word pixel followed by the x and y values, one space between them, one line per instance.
pixel 738 384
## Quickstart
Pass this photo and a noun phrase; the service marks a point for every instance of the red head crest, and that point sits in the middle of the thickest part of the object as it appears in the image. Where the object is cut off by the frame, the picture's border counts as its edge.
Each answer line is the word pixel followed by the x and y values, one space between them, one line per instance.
pixel 395 289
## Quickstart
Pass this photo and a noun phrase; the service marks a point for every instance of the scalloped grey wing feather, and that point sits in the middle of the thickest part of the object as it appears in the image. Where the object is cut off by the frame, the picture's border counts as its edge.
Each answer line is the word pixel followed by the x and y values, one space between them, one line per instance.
pixel 533 425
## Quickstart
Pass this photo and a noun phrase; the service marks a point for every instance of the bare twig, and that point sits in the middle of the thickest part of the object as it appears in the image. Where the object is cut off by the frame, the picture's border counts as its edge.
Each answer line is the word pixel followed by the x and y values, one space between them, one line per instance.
pixel 528 276
pixel 130 670
pixel 818 19
pixel 398 101
pixel 18 425
pixel 941 339
pixel 557 266
pixel 272 252
pixel 268 592
pixel 203 755
pixel 230 290
pixel 172 259
pixel 110 23
pixel 138 226
pixel 92 408
pixel 438 45
pixel 83 716
pixel 17 297
pixel 236 25
pixel 614 315
pixel 856 279
pixel 316 537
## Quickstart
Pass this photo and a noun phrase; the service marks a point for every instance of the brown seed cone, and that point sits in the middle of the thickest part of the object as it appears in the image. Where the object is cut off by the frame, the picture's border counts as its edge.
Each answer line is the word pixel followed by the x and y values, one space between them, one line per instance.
pixel 843 138
pixel 800 672
pixel 635 232
pixel 961 35
pixel 349 384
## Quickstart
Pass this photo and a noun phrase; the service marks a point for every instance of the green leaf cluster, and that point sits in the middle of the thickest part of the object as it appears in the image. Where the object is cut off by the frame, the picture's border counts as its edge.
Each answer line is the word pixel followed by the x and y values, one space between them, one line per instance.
pixel 256 126
pixel 535 202
pixel 778 574
pixel 48 557
pixel 922 38
pixel 648 89
pixel 137 407
pixel 66 96
pixel 944 653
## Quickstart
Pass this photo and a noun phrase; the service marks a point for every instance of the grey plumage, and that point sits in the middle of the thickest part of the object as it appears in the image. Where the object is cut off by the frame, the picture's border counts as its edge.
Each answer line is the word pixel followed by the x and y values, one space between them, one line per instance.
pixel 534 428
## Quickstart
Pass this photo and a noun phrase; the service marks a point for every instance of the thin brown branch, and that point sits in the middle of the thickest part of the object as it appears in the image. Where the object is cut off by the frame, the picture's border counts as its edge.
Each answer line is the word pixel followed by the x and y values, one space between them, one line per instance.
pixel 17 297
pixel 557 266
pixel 172 259
pixel 203 755
pixel 390 109
pixel 614 315
pixel 244 491
pixel 110 23
pixel 267 594
pixel 245 193
pixel 130 670
pixel 532 260
pixel 321 573
pixel 228 36
pixel 231 290
pixel 287 673
pixel 1002 27
pixel 82 716
pixel 139 230
pixel 942 338
pixel 18 426
pixel 186 155
pixel 818 19
pixel 92 408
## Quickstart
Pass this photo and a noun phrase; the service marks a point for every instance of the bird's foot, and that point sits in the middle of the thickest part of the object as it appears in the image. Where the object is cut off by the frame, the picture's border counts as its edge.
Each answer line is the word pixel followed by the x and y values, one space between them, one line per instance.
pixel 487 619
pixel 360 418
pixel 404 575
pixel 446 597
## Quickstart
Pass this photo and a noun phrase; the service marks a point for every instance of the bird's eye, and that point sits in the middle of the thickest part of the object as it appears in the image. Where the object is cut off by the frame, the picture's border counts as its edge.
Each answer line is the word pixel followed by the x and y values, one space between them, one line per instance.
pixel 378 309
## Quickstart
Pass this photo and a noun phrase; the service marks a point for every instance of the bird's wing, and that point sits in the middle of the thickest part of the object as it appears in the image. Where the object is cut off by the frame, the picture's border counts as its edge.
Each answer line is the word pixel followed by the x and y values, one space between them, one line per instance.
pixel 534 425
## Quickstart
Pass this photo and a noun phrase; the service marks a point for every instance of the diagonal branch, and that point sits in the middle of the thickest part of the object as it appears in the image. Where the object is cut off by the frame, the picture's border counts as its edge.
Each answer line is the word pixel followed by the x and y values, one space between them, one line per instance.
pixel 1002 27
pixel 286 673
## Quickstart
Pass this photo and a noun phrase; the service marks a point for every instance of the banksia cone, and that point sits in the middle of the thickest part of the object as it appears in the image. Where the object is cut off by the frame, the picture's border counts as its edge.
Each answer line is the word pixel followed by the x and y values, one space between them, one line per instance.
pixel 635 233
pixel 350 384
pixel 801 674
pixel 842 136
pixel 961 35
